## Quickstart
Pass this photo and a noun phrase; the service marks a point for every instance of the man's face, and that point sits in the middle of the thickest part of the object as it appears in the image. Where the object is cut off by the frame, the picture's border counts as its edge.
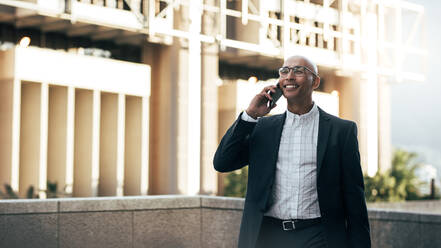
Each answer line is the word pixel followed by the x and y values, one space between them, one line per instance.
pixel 297 85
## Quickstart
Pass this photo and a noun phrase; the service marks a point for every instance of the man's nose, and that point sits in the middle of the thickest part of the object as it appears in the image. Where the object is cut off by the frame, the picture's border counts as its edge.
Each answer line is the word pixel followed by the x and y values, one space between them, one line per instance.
pixel 291 75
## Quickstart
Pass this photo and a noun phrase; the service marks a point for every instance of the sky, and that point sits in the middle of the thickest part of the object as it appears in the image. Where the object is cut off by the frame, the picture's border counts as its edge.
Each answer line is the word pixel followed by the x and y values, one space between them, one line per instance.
pixel 415 107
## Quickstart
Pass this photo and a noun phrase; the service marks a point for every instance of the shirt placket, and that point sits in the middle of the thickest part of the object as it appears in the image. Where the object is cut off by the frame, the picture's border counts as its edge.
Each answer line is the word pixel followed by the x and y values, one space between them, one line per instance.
pixel 297 137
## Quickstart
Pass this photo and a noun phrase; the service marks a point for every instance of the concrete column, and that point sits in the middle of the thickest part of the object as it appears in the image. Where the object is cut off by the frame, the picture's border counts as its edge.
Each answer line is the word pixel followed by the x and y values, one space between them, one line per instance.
pixel 120 144
pixel 227 101
pixel 209 131
pixel 163 117
pixel 175 136
pixel 86 155
pixel 70 139
pixel 57 136
pixel 209 111
pixel 384 123
pixel 351 99
pixel 133 171
pixel 183 120
pixel 175 150
pixel 145 145
pixel 6 117
pixel 33 137
pixel 194 112
pixel 371 99
pixel 368 127
pixel 109 145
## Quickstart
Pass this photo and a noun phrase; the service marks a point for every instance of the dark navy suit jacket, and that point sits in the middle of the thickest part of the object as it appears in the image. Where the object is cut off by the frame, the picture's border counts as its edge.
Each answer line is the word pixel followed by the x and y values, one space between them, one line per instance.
pixel 340 184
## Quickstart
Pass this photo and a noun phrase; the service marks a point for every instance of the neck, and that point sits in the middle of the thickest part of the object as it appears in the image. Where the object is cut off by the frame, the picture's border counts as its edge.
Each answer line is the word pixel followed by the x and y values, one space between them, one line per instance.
pixel 300 108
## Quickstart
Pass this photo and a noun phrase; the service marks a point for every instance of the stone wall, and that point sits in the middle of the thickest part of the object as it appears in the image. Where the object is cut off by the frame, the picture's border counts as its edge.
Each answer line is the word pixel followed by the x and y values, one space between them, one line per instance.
pixel 169 221
pixel 428 206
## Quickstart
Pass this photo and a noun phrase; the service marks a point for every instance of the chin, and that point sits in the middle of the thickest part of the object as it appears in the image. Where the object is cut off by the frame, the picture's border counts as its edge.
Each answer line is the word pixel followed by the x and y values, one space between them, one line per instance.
pixel 289 95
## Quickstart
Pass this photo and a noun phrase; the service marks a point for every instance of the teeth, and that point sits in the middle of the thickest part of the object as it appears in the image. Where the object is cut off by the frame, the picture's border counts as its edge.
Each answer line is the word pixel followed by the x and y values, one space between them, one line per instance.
pixel 292 86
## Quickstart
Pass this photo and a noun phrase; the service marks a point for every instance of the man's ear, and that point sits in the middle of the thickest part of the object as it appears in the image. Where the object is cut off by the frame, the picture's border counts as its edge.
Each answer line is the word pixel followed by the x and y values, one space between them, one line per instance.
pixel 316 82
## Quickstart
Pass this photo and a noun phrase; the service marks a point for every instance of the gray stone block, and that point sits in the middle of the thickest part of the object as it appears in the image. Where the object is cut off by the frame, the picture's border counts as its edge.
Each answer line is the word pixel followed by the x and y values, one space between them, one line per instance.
pixel 393 215
pixel 222 202
pixel 28 206
pixel 3 228
pixel 220 227
pixel 400 234
pixel 97 229
pixel 423 206
pixel 128 203
pixel 430 218
pixel 167 228
pixel 23 230
pixel 430 235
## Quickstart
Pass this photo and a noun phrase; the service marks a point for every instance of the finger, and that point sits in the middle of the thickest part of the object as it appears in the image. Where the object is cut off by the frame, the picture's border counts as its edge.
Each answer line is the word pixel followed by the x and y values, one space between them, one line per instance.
pixel 275 105
pixel 272 88
pixel 268 96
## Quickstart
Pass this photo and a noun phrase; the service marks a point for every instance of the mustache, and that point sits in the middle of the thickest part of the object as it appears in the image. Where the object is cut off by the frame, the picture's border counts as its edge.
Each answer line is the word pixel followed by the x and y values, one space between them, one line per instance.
pixel 290 83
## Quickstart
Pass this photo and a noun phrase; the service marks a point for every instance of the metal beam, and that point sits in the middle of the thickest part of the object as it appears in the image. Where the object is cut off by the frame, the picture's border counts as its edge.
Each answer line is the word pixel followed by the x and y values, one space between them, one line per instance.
pixel 81 30
pixel 58 25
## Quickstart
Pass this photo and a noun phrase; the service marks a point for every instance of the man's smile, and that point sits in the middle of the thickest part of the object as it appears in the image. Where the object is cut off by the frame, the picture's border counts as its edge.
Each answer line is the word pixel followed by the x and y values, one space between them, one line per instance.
pixel 291 86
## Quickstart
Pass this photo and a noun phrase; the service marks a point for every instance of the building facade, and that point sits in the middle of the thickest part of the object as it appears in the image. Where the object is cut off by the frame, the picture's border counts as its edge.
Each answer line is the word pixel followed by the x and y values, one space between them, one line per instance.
pixel 123 97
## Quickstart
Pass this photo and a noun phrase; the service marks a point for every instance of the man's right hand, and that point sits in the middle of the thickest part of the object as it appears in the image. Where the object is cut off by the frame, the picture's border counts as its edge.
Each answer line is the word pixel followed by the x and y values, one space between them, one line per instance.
pixel 259 105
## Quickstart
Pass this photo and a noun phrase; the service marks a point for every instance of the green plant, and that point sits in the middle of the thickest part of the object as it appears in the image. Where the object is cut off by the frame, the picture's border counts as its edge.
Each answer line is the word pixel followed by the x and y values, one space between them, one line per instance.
pixel 9 193
pixel 397 184
pixel 51 192
pixel 236 183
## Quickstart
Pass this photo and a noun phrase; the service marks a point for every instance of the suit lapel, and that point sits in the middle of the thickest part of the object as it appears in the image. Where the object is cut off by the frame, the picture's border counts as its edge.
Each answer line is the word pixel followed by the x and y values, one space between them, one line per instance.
pixel 276 128
pixel 323 134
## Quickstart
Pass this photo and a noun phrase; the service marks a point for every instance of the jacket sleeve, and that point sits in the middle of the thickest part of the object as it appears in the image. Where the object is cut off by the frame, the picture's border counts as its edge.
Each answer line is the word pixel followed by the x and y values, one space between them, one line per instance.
pixel 233 150
pixel 353 192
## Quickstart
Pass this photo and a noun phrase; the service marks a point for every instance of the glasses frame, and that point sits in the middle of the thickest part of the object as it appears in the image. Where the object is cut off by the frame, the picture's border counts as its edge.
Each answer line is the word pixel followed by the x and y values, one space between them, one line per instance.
pixel 293 68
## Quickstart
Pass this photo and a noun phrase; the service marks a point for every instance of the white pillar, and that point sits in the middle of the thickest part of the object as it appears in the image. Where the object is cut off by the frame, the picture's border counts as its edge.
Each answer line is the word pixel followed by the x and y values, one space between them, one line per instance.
pixel 145 145
pixel 16 126
pixel 70 138
pixel 194 101
pixel 43 137
pixel 371 103
pixel 96 141
pixel 120 144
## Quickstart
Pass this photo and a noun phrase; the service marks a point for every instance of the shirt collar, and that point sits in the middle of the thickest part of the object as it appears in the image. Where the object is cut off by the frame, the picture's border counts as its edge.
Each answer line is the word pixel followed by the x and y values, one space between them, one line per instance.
pixel 290 116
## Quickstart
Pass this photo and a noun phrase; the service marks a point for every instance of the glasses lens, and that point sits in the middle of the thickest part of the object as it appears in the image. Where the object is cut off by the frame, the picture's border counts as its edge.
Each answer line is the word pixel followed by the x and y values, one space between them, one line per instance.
pixel 299 70
pixel 284 70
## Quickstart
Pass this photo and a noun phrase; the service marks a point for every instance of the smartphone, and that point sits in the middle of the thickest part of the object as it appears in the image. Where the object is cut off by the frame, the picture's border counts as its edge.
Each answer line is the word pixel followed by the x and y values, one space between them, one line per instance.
pixel 275 95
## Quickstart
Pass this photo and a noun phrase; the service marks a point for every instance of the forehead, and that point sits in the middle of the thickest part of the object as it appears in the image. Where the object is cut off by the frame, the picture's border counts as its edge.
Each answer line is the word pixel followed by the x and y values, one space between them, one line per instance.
pixel 294 61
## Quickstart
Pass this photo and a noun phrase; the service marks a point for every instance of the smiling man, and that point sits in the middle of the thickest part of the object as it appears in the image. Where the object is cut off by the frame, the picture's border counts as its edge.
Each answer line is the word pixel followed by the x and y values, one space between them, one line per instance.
pixel 305 184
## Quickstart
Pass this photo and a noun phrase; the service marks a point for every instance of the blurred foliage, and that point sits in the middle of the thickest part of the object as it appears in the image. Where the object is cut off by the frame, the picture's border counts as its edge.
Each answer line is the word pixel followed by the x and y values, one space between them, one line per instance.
pixel 9 193
pixel 400 183
pixel 51 192
pixel 236 183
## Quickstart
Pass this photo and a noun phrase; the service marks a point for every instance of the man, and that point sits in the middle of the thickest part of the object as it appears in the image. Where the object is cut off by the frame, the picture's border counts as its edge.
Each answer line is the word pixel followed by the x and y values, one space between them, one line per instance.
pixel 305 184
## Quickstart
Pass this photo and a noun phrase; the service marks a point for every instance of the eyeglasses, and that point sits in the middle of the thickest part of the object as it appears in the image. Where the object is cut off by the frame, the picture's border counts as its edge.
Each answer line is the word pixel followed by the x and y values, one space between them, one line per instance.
pixel 299 71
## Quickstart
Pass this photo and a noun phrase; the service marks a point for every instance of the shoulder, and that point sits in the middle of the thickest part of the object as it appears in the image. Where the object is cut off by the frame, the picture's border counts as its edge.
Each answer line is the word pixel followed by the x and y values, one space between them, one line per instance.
pixel 272 117
pixel 268 120
pixel 336 121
